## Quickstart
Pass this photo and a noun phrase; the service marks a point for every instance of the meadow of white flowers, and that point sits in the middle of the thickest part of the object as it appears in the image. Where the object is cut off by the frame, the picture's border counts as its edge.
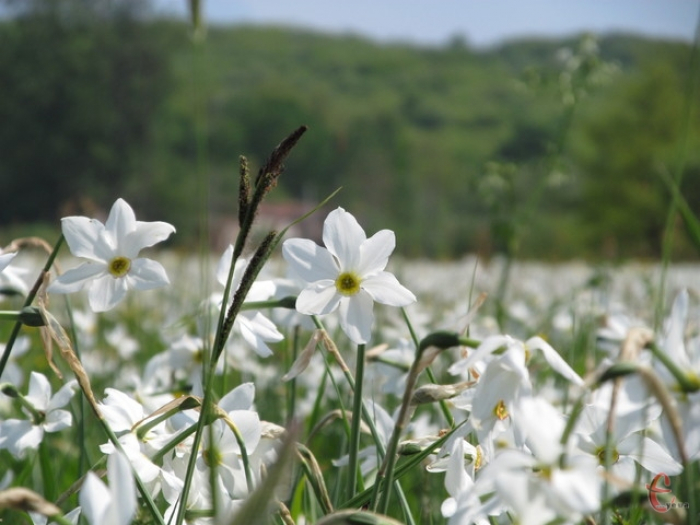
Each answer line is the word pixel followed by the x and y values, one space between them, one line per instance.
pixel 301 383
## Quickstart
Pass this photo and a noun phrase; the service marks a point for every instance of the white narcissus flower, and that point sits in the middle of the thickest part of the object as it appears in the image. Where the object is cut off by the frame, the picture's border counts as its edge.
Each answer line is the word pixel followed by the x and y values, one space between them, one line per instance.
pixel 17 435
pixel 628 442
pixel 348 274
pixel 113 505
pixel 531 481
pixel 111 250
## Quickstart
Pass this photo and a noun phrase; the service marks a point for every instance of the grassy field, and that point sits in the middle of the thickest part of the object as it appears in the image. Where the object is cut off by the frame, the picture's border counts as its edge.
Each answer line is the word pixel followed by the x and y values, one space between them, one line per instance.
pixel 495 387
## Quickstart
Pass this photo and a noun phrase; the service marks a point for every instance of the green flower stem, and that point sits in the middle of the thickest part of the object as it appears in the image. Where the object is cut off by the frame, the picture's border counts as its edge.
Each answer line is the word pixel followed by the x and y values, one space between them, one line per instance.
pixel 143 429
pixel 687 383
pixel 244 454
pixel 224 301
pixel 260 257
pixel 152 508
pixel 291 389
pixel 179 438
pixel 365 497
pixel 441 340
pixel 367 416
pixel 314 477
pixel 608 452
pixel 443 405
pixel 9 315
pixel 84 458
pixel 285 302
pixel 48 476
pixel 576 412
pixel 60 519
pixel 355 422
pixel 387 468
pixel 664 397
pixel 27 302
pixel 10 390
pixel 207 402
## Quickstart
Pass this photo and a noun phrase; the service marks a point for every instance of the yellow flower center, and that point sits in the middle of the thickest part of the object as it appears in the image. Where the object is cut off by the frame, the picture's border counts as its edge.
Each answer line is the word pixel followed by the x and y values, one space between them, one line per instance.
pixel 500 410
pixel 479 458
pixel 544 472
pixel 119 266
pixel 212 456
pixel 348 283
pixel 614 455
pixel 694 380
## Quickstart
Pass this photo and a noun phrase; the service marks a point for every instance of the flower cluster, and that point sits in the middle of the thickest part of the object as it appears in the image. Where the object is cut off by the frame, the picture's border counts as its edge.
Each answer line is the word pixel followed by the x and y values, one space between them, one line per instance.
pixel 520 434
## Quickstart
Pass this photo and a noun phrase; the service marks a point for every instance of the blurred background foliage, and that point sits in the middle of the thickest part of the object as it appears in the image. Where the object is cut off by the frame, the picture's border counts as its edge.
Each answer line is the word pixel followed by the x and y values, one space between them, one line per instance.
pixel 548 149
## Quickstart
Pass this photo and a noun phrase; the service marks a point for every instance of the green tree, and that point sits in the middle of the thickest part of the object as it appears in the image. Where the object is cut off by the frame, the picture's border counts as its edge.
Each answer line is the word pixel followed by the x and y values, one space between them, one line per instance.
pixel 81 82
pixel 634 135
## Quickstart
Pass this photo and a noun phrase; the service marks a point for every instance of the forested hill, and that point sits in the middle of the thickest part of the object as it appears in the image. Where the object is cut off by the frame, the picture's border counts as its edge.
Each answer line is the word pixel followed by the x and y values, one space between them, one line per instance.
pixel 543 148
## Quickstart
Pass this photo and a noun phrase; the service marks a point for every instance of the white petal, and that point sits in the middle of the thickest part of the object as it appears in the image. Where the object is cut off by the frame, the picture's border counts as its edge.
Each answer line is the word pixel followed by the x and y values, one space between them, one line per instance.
pixel 386 289
pixel 302 361
pixel 448 507
pixel 39 393
pixel 240 398
pixel 74 279
pixel 356 317
pixel 456 478
pixel 57 420
pixel 674 344
pixel 257 331
pixel 309 261
pixel 147 274
pixel 146 234
pixel 17 435
pixel 5 259
pixel 261 326
pixel 224 266
pixel 143 466
pixel 554 359
pixel 343 236
pixel 248 424
pixel 318 299
pixel 63 396
pixel 523 497
pixel 489 345
pixel 121 221
pixel 251 337
pixel 85 238
pixel 542 425
pixel 650 455
pixel 375 252
pixel 578 488
pixel 123 489
pixel 106 292
pixel 95 499
pixel 261 291
pixel 120 410
pixel 382 420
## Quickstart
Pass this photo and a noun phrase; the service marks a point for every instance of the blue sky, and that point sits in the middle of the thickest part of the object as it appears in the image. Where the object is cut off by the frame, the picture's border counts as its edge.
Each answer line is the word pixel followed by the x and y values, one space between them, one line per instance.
pixel 482 22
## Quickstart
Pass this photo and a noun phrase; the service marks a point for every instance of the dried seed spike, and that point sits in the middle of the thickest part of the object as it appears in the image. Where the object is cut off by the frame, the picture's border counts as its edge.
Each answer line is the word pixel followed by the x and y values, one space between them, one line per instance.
pixel 20 498
pixel 243 189
pixel 274 167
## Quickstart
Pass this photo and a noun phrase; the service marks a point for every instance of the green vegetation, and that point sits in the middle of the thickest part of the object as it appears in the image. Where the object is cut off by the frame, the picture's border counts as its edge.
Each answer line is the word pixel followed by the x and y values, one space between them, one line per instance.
pixel 458 150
